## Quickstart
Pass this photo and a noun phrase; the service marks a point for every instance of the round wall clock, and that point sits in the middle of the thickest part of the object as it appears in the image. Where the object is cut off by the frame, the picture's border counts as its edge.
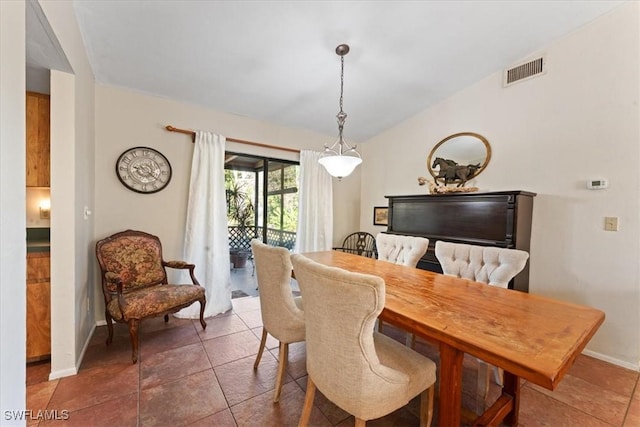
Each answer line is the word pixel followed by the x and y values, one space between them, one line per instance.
pixel 143 170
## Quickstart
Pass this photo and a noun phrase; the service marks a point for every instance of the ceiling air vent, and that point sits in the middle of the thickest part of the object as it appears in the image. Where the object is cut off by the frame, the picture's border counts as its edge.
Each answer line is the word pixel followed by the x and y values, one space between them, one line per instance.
pixel 525 71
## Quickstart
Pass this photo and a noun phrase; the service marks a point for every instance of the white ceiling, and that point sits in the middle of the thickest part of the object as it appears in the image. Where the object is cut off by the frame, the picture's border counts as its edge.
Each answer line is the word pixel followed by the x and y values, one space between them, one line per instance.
pixel 42 49
pixel 276 61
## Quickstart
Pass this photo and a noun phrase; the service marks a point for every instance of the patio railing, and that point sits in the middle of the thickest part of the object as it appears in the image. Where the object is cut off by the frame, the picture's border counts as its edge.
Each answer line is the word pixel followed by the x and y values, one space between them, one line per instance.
pixel 240 238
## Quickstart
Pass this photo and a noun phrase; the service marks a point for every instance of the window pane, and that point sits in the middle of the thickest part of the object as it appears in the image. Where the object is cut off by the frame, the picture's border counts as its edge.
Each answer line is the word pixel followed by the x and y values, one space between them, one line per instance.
pixel 240 194
pixel 275 179
pixel 291 176
pixel 274 211
pixel 290 218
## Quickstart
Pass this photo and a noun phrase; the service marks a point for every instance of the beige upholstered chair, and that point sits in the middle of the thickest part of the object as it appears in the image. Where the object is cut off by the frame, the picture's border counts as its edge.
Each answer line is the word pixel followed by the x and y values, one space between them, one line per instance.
pixel 494 266
pixel 365 373
pixel 282 315
pixel 405 250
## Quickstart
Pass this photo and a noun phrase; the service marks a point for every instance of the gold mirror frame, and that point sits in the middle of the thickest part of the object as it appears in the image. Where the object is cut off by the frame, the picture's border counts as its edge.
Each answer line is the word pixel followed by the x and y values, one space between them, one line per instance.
pixel 449 139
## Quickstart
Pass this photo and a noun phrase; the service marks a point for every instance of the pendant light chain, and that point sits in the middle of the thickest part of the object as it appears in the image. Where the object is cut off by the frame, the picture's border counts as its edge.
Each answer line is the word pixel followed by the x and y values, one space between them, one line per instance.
pixel 342 116
pixel 340 159
pixel 341 82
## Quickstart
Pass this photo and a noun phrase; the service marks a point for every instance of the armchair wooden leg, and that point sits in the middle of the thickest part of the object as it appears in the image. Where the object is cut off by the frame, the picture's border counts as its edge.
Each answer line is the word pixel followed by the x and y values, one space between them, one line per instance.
pixel 308 403
pixel 203 302
pixel 133 333
pixel 360 422
pixel 107 316
pixel 263 342
pixel 426 406
pixel 283 355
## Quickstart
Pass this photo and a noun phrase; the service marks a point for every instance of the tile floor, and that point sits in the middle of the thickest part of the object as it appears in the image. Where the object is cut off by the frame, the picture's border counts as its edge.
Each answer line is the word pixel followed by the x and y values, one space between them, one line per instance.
pixel 243 281
pixel 189 377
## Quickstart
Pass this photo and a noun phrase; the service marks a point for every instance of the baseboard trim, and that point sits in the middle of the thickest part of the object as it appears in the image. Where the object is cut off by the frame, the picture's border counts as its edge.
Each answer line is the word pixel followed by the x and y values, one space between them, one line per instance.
pixel 84 347
pixel 54 375
pixel 614 361
pixel 73 371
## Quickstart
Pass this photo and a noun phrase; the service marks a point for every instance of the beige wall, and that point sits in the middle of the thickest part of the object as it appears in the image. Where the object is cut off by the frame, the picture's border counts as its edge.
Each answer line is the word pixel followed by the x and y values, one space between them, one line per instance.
pixel 549 135
pixel 126 119
pixel 72 188
pixel 13 252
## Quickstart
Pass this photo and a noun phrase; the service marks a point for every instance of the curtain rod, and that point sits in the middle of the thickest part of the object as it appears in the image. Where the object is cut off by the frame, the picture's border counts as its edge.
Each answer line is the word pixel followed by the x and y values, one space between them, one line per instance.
pixel 240 141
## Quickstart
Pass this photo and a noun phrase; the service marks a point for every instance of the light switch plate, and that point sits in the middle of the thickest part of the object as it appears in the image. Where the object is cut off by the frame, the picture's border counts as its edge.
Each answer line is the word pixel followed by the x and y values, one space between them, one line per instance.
pixel 611 223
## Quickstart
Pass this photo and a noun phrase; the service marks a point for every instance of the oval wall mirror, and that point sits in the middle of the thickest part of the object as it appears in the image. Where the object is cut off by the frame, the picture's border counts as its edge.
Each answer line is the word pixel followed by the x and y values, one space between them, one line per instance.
pixel 459 158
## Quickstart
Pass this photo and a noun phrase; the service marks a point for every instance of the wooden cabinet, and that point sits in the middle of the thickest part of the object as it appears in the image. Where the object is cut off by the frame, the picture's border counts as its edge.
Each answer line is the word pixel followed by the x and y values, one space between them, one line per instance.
pixel 38 306
pixel 37 144
pixel 501 219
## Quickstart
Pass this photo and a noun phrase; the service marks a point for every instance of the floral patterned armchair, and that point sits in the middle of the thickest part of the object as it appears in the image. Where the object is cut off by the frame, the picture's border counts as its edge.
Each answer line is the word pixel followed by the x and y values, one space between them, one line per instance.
pixel 134 282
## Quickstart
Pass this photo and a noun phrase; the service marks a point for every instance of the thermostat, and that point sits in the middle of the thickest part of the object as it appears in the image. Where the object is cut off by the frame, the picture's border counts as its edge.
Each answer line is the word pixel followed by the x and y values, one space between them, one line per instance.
pixel 597 184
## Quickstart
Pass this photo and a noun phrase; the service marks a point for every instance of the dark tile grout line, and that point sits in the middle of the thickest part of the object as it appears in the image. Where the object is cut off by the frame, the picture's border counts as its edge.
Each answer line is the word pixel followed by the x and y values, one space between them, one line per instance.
pixel 201 340
pixel 229 406
pixel 216 377
pixel 633 392
pixel 565 404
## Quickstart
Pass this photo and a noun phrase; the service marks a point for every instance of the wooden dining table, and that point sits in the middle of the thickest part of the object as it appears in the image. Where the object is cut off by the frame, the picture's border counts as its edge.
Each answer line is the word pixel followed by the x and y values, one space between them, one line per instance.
pixel 531 337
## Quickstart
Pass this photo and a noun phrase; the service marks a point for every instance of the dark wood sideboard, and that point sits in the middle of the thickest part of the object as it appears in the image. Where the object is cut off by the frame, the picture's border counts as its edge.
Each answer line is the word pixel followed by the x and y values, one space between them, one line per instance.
pixel 501 219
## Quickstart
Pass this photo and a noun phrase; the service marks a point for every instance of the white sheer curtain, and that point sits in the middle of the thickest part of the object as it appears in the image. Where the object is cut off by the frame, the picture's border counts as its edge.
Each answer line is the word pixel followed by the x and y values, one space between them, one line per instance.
pixel 315 206
pixel 206 241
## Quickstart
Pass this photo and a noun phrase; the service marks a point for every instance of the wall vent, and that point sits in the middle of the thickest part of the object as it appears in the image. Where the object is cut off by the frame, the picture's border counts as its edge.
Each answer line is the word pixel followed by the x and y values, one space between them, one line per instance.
pixel 525 71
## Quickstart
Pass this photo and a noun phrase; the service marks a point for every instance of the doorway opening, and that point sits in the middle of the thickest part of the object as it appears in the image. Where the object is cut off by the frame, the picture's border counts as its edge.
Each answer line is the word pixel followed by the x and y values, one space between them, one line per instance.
pixel 262 203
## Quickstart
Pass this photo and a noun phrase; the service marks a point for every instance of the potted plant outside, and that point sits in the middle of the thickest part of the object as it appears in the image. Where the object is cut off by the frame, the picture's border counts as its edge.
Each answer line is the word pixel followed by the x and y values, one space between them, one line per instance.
pixel 241 214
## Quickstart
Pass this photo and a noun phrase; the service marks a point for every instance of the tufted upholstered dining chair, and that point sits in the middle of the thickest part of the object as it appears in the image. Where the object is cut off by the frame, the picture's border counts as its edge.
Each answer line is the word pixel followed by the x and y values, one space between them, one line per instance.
pixel 359 243
pixel 282 315
pixel 490 265
pixel 404 250
pixel 134 283
pixel 367 374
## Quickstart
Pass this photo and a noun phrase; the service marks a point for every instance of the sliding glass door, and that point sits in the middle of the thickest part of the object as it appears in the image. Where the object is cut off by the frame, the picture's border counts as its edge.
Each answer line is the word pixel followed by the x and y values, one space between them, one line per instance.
pixel 282 204
pixel 270 215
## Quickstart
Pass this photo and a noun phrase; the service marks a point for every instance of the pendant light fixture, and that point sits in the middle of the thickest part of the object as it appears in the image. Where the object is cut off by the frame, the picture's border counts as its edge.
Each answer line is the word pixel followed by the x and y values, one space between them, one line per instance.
pixel 340 159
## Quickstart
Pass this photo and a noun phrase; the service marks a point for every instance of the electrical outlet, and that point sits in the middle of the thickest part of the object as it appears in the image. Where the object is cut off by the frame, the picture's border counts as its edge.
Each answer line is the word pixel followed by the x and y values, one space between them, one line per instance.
pixel 611 223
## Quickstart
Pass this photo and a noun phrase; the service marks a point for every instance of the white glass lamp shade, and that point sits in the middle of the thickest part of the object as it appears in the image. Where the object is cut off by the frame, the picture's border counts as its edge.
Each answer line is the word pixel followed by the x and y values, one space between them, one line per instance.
pixel 340 166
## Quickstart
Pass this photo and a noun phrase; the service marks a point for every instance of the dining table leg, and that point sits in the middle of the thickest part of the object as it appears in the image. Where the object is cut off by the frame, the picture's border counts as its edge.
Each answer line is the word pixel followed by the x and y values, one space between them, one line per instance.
pixel 511 387
pixel 450 396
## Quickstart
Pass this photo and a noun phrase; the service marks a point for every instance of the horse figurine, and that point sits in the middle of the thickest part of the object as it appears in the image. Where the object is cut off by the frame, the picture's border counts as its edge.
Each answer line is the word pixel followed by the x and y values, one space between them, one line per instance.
pixel 450 171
